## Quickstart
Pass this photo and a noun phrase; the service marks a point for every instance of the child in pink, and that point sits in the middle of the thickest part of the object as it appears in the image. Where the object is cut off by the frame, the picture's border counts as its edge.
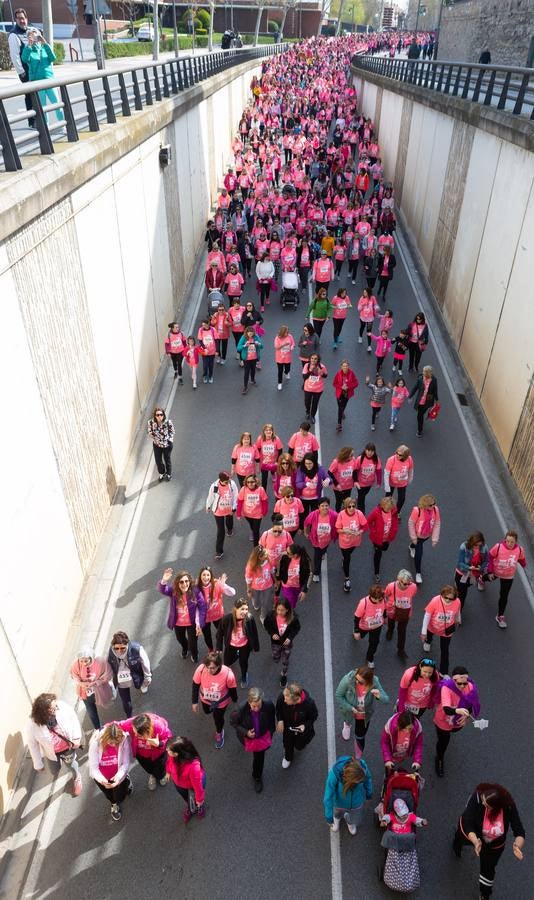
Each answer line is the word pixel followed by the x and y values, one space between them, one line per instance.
pixel 192 355
pixel 401 820
pixel 399 395
pixel 383 347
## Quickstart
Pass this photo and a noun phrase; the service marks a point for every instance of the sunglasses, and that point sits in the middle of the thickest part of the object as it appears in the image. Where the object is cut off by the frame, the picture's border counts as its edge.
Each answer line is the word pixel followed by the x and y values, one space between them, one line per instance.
pixel 428 662
pixel 184 581
pixel 351 506
pixel 461 683
pixel 159 415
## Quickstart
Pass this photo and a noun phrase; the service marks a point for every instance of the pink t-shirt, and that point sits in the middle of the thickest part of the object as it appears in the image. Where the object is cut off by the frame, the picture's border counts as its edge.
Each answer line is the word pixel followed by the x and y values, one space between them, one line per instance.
pixel 419 691
pixel 290 512
pixel 283 348
pixel 399 470
pixel 398 597
pixel 268 451
pixel 245 458
pixel 215 610
pixel 275 545
pixel 361 694
pixel 259 579
pixel 183 619
pixel 293 573
pixel 58 742
pixel 311 487
pixel 370 614
pixel 341 306
pixel 344 472
pixel 314 380
pixel 402 826
pixel 252 500
pixel 451 699
pixel 213 687
pixel 492 827
pixel 324 531
pixel 238 637
pixel 224 506
pixel 398 396
pixel 281 624
pixel 366 471
pixel 442 614
pixel 109 762
pixel 302 444
pixel 356 522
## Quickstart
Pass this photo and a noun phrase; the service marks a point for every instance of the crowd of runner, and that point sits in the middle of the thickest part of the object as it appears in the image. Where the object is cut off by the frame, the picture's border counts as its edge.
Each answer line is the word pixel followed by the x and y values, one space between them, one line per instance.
pixel 306 196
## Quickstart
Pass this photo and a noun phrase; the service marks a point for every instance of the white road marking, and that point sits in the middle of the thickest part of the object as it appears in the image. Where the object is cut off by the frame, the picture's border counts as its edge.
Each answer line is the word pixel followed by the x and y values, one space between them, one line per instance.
pixel 335 848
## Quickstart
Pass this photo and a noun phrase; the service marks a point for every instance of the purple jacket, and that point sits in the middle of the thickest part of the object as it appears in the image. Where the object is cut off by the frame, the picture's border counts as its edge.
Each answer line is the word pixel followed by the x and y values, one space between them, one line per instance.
pixel 388 740
pixel 301 482
pixel 196 605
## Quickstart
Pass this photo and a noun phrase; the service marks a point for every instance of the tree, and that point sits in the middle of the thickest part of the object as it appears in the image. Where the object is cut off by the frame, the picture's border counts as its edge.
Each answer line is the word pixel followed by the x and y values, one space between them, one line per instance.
pixel 130 10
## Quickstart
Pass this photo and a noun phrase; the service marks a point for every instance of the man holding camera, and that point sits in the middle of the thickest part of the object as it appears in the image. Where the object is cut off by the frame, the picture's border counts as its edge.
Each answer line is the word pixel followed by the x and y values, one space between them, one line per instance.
pixel 17 40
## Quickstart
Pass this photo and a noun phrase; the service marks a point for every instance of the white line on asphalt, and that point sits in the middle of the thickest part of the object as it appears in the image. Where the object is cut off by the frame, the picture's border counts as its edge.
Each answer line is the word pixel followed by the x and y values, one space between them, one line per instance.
pixel 425 305
pixel 335 850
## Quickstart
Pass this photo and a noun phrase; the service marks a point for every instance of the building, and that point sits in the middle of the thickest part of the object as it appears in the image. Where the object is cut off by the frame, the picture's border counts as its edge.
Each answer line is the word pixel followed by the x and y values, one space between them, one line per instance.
pixel 390 16
pixel 504 27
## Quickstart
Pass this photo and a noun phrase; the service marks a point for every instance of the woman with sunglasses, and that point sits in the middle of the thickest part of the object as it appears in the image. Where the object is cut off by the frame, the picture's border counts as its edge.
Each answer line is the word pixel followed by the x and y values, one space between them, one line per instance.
pixel 291 510
pixel 259 576
pixel 268 447
pixel 398 474
pixel 285 474
pixel 161 431
pixel 187 610
pixel 424 523
pixel 350 525
pixel 442 615
pixel 215 686
pixel 355 694
pixel 399 595
pixel 342 475
pixel 238 636
pixel 252 505
pixel 458 702
pixel 419 688
pixel 130 666
pixel 245 458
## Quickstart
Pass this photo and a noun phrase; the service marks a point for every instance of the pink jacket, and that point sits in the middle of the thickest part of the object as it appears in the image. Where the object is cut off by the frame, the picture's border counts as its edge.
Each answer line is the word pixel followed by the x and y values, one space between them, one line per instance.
pixel 189 775
pixel 161 730
pixel 311 523
pixel 93 679
pixel 424 523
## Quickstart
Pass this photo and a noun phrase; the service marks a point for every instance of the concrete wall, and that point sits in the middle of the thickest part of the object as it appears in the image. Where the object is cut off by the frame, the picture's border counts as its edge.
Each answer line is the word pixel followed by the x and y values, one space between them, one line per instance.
pixel 505 27
pixel 465 189
pixel 88 286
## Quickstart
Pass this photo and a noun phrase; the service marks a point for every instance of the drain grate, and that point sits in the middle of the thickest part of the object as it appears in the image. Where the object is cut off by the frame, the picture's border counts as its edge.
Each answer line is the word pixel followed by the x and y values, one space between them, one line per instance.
pixel 463 399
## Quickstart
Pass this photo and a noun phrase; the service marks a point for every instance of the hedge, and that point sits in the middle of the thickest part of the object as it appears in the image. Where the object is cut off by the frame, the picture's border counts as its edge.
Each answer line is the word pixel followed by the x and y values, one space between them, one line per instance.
pixel 59 50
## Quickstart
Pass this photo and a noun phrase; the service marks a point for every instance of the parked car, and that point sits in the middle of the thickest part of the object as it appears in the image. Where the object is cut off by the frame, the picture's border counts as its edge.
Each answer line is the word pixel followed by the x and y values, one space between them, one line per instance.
pixel 146 32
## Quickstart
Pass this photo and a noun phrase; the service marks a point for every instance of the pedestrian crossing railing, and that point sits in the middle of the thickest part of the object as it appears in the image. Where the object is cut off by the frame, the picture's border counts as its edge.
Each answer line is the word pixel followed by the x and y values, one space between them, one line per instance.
pixel 84 104
pixel 505 88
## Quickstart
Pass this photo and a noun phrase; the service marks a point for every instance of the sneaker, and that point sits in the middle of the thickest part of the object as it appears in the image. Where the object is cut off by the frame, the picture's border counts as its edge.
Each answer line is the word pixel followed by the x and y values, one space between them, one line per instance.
pixel 377 579
pixel 244 681
pixel 180 380
pixel 258 785
pixel 283 681
pixel 346 585
pixel 219 740
pixel 168 477
pixel 339 428
pixel 371 665
pixel 165 780
pixel 345 732
pixel 176 374
pixel 279 387
pixel 194 387
pixel 151 782
pixel 229 534
pixel 116 814
pixel 205 379
pixel 399 372
pixel 340 340
pixel 312 420
pixel 334 345
pixel 222 362
pixel 480 585
pixel 286 763
pixel 335 825
pixel 392 427
pixel 316 579
pixel 368 349
pixel 210 380
pixel 184 654
pixel 262 309
pixel 219 555
pixel 411 548
pixel 352 828
pixel 237 356
pixel 187 815
pixel 161 477
pixel 287 376
pixel 354 282
pixel 244 391
pixel 501 621
pixel 426 646
pixel 194 659
pixel 373 427
pixel 130 787
pixel 418 578
pixel 201 811
pixel 77 786
pixel 360 339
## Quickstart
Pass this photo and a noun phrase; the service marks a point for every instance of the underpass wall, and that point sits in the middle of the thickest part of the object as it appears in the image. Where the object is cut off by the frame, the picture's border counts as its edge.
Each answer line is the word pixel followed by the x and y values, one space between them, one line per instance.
pixel 96 246
pixel 464 186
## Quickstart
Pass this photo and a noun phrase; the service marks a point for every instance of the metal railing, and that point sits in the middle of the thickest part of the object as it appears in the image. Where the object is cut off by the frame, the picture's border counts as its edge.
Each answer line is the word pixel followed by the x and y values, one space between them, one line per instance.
pixel 502 87
pixel 83 104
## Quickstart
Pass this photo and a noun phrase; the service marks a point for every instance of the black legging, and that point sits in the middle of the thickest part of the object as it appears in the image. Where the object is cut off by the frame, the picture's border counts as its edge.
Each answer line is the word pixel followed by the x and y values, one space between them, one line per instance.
pixel 186 635
pixel 360 730
pixel 283 369
pixel 362 494
pixel 218 715
pixel 309 506
pixel 374 640
pixel 338 266
pixel 162 455
pixel 383 286
pixel 293 740
pixel 443 740
pixel 444 646
pixel 265 292
pixel 221 345
pixel 414 355
pixel 207 366
pixel 240 653
pixel 353 269
pixel 249 371
pixel 489 857
pixel 402 625
pixel 118 793
pixel 369 327
pixel 421 411
pixel 505 588
pixel 225 525
pixel 346 554
pixel 311 402
pixel 255 526
pixel 318 325
pixel 342 401
pixel 206 633
pixel 177 362
pixel 338 327
pixel 318 553
pixel 155 767
pixel 379 550
pixel 264 478
pixel 401 496
pixel 340 497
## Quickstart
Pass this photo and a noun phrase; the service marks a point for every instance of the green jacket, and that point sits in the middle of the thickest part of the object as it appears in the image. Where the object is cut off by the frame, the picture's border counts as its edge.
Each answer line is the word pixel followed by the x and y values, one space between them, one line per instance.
pixel 346 696
pixel 39 59
pixel 320 309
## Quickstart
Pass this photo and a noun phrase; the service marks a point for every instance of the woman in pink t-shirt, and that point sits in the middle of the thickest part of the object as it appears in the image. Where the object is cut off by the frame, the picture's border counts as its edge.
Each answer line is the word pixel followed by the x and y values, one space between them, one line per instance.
pixel 341 305
pixel 213 591
pixel 244 458
pixel 369 617
pixel 215 686
pixel 442 615
pixel 424 523
pixel 399 596
pixel 320 528
pixel 398 474
pixel 419 688
pixel 314 374
pixel 342 474
pixel 110 757
pixel 367 472
pixel 303 442
pixel 149 734
pixel 351 525
pixel 291 510
pixel 284 344
pixel 285 475
pixel 259 577
pixel 188 776
pixel 504 559
pixel 252 504
pixel 269 447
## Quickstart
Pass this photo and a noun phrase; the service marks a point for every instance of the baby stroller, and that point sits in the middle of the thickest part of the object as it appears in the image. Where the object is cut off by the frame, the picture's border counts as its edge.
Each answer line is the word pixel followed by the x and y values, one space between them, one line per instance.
pixel 214 298
pixel 289 297
pixel 400 871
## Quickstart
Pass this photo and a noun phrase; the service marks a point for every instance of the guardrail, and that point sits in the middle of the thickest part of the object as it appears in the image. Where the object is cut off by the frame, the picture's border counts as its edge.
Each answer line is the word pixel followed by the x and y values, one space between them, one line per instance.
pixel 84 103
pixel 503 87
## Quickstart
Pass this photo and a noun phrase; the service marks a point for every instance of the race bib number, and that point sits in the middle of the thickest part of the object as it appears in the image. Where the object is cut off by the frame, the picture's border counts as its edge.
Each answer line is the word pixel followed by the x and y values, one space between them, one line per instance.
pixel 403 603
pixel 411 708
pixel 124 678
pixel 212 695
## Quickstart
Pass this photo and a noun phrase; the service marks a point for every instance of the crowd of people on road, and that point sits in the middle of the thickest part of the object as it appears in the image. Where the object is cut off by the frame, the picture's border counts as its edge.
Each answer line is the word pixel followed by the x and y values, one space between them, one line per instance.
pixel 306 194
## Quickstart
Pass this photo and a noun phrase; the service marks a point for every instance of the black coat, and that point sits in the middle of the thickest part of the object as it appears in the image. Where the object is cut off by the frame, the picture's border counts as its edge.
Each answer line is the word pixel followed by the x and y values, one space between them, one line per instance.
pixel 418 390
pixel 304 713
pixel 304 572
pixel 370 266
pixel 271 627
pixel 241 719
pixel 473 817
pixel 253 318
pixel 391 266
pixel 224 632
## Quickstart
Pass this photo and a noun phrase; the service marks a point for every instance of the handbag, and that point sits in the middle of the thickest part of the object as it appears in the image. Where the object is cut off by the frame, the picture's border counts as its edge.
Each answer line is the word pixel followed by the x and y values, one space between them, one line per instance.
pixel 256 744
pixel 68 756
pixel 434 411
pixel 449 629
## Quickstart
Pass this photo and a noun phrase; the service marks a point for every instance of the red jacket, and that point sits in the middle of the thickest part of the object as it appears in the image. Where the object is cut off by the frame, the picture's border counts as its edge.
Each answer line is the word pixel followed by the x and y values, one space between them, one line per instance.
pixel 214 279
pixel 375 522
pixel 352 383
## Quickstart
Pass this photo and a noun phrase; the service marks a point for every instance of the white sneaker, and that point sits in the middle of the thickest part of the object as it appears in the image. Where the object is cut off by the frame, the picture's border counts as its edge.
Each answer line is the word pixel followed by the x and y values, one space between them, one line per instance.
pixel 354 282
pixel 286 763
pixel 165 780
pixel 316 578
pixel 418 578
pixel 368 349
pixel 345 733
pixel 352 828
pixel 335 825
pixel 279 387
pixel 151 782
pixel 426 646
pixel 360 339
pixel 287 376
pixel 480 585
pixel 370 665
pixel 501 621
pixel 392 427
pixel 411 548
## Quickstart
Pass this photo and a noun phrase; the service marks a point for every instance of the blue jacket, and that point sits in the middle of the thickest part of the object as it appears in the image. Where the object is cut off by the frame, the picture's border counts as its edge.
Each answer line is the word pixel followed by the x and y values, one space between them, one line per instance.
pixel 334 795
pixel 242 347
pixel 465 556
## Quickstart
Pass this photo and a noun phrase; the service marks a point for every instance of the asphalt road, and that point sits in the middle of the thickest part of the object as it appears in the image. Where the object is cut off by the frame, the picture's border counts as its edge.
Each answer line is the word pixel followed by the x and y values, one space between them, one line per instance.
pixel 278 843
